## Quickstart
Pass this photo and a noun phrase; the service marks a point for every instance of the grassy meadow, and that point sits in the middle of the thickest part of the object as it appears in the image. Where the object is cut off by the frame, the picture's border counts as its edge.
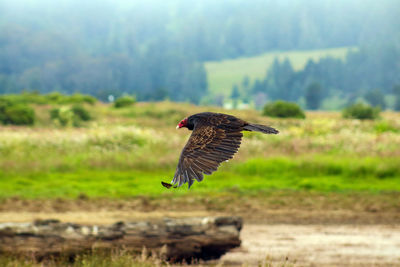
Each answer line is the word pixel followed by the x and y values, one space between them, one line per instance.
pixel 115 163
pixel 222 75
pixel 127 152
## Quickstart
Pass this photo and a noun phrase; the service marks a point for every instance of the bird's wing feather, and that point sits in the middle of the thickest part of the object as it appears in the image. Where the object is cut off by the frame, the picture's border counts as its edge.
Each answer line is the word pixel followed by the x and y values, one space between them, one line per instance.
pixel 213 141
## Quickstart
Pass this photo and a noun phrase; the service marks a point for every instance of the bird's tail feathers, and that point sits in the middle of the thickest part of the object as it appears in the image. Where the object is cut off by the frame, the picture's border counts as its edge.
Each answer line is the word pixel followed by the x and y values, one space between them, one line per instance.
pixel 260 128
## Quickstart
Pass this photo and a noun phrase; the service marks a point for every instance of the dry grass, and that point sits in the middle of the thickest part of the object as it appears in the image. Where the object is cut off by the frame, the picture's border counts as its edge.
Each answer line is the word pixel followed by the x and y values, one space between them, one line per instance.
pixel 126 152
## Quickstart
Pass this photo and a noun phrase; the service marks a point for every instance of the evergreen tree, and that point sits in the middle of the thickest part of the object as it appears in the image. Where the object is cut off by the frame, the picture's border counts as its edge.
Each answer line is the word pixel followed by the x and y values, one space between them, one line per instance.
pixel 396 91
pixel 375 98
pixel 313 96
pixel 235 95
pixel 259 86
pixel 246 83
pixel 279 80
pixel 246 90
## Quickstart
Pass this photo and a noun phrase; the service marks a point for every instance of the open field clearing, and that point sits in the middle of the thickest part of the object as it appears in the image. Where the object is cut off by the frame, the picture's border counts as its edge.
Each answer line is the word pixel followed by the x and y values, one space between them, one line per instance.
pixel 222 75
pixel 126 153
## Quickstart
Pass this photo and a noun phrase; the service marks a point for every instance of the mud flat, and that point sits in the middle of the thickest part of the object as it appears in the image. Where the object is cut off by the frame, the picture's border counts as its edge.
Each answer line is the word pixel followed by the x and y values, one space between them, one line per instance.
pixel 275 237
pixel 317 245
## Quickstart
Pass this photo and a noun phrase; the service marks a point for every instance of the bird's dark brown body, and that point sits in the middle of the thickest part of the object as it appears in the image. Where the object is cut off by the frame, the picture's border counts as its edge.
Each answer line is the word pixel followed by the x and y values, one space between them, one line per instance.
pixel 215 138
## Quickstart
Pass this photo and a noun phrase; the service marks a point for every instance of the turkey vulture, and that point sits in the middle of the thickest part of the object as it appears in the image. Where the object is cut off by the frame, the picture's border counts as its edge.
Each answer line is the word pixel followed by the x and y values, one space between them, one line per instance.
pixel 215 138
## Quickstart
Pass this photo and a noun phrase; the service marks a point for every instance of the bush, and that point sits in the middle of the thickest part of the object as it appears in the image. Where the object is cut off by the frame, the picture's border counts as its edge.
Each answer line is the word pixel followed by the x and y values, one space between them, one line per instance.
pixel 81 112
pixel 283 109
pixel 12 112
pixel 54 98
pixel 17 114
pixel 124 101
pixel 70 116
pixel 361 111
pixel 3 106
pixel 79 98
pixel 64 117
pixel 54 113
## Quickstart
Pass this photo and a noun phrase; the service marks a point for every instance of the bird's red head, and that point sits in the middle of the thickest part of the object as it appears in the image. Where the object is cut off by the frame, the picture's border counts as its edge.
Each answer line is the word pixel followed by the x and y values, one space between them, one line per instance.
pixel 183 123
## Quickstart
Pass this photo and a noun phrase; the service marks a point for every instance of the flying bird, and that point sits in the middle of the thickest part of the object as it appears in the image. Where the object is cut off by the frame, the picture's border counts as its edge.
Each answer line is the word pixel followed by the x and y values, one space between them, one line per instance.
pixel 216 137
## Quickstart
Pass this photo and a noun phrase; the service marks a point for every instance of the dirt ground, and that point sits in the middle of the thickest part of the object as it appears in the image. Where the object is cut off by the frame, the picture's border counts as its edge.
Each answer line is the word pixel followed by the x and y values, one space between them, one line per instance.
pixel 312 231
pixel 348 240
pixel 317 245
pixel 274 208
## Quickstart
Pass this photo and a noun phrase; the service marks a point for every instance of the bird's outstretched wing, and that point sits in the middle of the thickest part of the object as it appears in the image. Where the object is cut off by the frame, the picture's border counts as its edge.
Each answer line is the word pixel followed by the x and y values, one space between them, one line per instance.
pixel 213 140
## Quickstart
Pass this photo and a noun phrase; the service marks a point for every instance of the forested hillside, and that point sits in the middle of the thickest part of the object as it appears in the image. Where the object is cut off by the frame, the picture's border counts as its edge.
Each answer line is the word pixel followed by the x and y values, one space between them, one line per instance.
pixel 369 73
pixel 156 49
pixel 242 72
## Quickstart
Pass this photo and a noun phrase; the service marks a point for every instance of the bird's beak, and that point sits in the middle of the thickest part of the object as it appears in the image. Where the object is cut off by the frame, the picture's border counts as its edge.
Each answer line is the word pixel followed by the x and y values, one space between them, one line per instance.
pixel 177 126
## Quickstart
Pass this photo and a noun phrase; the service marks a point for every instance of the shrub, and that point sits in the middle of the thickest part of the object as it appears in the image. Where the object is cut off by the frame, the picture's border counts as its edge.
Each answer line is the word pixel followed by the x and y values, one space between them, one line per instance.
pixel 283 109
pixel 18 114
pixel 64 117
pixel 79 98
pixel 3 106
pixel 70 116
pixel 361 111
pixel 54 98
pixel 54 113
pixel 124 101
pixel 81 112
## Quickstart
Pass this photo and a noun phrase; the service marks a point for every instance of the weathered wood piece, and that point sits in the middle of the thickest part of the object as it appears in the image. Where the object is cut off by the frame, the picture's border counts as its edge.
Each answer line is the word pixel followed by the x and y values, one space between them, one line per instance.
pixel 172 239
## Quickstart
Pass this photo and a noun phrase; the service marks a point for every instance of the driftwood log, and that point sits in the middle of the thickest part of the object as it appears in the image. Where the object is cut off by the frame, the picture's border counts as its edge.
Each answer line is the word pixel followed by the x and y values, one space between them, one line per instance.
pixel 172 239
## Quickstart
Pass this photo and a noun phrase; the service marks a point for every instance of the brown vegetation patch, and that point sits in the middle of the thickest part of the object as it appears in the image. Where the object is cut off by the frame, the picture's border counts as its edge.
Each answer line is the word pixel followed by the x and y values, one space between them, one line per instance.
pixel 276 207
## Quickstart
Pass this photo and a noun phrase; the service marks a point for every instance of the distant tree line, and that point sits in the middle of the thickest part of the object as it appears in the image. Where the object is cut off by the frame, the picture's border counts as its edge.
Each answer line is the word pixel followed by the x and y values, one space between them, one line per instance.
pixel 370 73
pixel 155 74
pixel 155 49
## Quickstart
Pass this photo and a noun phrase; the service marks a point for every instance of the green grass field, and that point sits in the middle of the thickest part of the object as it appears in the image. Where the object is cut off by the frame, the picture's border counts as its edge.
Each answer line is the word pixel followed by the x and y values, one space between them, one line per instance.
pixel 222 75
pixel 128 152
